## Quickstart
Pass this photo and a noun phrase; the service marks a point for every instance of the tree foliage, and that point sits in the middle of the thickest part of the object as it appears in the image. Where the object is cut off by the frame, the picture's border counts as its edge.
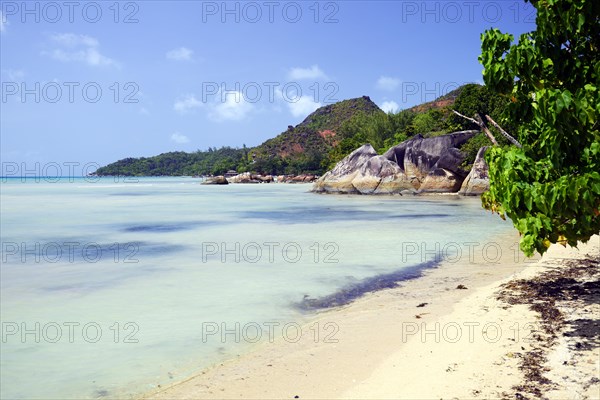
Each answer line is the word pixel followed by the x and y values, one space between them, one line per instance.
pixel 549 188
pixel 212 161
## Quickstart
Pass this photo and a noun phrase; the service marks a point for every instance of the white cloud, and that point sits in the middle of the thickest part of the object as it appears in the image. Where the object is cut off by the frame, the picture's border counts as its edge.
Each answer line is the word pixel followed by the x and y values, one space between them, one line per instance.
pixel 3 22
pixel 74 40
pixel 179 138
pixel 79 48
pixel 389 106
pixel 14 75
pixel 388 83
pixel 187 104
pixel 226 106
pixel 88 56
pixel 313 72
pixel 231 106
pixel 93 57
pixel 304 106
pixel 180 54
pixel 298 106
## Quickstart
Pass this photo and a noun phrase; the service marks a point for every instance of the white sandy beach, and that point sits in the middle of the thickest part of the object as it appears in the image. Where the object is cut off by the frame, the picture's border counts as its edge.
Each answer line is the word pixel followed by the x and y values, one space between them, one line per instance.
pixel 459 344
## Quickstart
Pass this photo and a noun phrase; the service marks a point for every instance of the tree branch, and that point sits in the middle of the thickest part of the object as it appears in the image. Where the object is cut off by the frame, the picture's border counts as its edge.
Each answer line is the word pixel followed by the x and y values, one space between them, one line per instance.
pixel 467 132
pixel 465 117
pixel 486 130
pixel 502 131
pixel 481 124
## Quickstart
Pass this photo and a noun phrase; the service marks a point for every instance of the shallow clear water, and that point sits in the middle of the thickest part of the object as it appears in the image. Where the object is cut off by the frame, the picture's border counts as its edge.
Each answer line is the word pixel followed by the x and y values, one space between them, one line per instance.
pixel 111 288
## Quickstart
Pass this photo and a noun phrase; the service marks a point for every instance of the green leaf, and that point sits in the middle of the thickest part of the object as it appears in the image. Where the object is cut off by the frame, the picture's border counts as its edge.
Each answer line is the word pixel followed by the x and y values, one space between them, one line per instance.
pixel 551 187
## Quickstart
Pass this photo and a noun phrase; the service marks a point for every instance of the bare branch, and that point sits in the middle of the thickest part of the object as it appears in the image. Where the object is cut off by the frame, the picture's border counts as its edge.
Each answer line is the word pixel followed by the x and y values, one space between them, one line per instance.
pixel 481 124
pixel 486 130
pixel 502 131
pixel 467 132
pixel 465 117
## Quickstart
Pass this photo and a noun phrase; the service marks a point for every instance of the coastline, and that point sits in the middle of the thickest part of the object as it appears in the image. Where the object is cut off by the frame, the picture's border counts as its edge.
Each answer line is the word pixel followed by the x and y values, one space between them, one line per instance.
pixel 383 349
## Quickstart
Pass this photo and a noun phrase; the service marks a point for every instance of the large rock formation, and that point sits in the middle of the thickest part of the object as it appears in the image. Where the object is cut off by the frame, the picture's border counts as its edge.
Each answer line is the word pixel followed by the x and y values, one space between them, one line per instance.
pixel 420 156
pixel 427 164
pixel 477 181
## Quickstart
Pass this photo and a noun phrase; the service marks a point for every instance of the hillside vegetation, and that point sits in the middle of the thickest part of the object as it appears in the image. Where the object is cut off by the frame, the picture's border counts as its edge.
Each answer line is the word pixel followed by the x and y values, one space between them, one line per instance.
pixel 326 136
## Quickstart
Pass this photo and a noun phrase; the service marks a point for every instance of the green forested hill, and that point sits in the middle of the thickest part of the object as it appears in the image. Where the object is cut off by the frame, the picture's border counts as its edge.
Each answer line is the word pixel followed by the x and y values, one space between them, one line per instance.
pixel 305 147
pixel 326 136
pixel 179 163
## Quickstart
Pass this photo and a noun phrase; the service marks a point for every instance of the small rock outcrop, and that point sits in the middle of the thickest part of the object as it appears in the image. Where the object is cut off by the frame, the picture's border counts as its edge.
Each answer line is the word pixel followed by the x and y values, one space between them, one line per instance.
pixel 265 178
pixel 245 177
pixel 300 179
pixel 477 181
pixel 215 180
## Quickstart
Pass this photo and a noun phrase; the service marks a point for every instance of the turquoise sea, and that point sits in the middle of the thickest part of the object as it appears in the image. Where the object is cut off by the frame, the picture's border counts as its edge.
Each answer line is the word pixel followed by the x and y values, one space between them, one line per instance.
pixel 110 287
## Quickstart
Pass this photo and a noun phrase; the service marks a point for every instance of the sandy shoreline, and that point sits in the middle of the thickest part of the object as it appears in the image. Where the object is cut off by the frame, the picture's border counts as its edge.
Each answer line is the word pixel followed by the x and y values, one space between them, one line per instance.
pixel 424 339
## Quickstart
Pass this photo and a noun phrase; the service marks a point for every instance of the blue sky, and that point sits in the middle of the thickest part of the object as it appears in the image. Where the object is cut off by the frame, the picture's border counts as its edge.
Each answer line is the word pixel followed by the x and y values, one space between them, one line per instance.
pixel 94 82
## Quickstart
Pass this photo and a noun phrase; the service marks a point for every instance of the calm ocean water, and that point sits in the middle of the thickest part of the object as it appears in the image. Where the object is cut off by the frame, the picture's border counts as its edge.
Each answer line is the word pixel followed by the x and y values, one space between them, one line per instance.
pixel 109 288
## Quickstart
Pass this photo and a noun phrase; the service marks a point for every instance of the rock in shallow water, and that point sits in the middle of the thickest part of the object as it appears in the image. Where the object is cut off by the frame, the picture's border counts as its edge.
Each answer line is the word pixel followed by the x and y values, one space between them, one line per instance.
pixel 215 180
